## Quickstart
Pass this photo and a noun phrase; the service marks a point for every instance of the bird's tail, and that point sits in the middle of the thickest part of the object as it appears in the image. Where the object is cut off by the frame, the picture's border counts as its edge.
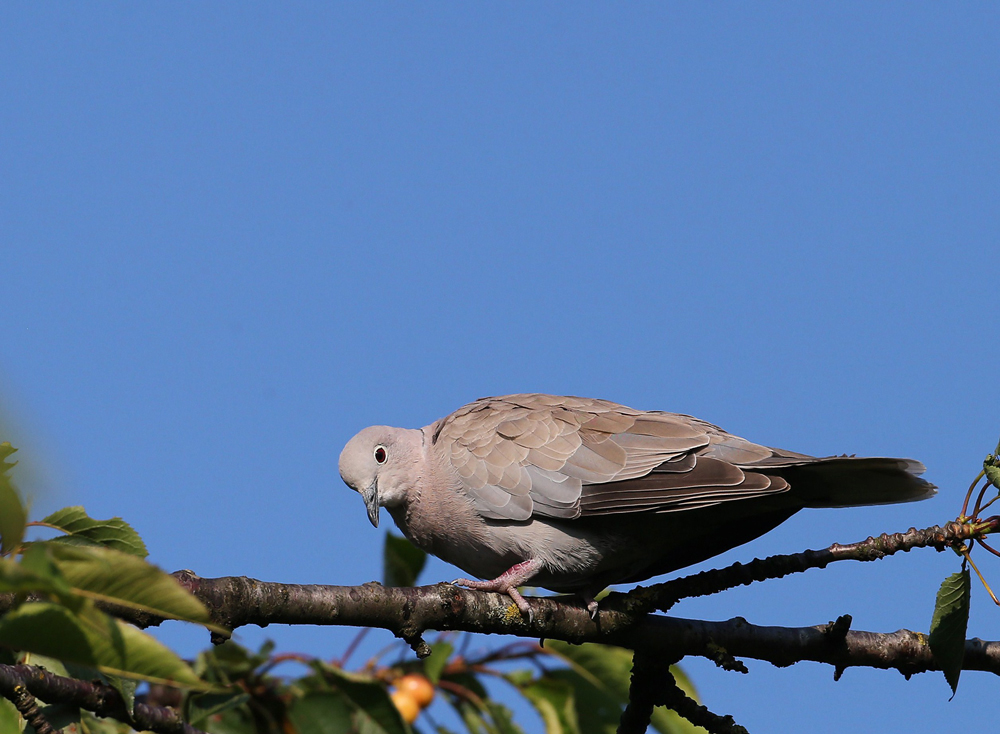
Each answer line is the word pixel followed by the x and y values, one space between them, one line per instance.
pixel 848 481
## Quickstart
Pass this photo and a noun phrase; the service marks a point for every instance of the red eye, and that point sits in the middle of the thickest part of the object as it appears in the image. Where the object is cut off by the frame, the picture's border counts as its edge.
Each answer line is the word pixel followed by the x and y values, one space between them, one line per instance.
pixel 380 454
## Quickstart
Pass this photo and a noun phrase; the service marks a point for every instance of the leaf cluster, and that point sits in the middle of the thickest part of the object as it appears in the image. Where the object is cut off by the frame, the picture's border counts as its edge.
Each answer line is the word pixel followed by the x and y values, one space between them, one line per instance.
pixel 63 588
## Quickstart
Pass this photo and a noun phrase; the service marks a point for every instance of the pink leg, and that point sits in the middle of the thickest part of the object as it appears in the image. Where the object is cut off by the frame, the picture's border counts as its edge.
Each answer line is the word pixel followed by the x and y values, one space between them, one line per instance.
pixel 507 582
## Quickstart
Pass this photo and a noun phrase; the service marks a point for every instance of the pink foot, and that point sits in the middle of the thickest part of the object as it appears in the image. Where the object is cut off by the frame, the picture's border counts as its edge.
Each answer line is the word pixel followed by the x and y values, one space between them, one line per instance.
pixel 507 582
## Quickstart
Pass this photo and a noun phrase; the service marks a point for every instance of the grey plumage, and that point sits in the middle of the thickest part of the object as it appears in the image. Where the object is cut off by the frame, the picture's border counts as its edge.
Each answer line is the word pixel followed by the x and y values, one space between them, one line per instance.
pixel 576 493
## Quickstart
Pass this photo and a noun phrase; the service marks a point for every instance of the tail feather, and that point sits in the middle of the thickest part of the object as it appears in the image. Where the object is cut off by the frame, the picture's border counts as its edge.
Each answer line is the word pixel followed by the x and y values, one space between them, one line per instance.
pixel 848 481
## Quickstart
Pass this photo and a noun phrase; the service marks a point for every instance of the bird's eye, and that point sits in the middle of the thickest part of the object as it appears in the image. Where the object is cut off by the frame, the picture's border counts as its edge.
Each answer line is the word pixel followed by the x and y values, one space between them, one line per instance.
pixel 380 454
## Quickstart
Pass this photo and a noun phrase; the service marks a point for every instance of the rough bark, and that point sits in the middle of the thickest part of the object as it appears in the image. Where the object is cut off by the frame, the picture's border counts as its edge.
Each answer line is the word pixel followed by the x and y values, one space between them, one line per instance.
pixel 623 619
pixel 91 696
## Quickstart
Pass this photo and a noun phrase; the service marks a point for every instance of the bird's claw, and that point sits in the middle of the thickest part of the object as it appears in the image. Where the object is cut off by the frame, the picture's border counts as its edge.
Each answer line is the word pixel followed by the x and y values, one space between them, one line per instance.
pixel 499 588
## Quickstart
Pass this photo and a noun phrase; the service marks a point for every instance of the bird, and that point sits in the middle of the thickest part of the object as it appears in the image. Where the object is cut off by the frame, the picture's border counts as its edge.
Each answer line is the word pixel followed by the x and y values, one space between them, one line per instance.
pixel 577 494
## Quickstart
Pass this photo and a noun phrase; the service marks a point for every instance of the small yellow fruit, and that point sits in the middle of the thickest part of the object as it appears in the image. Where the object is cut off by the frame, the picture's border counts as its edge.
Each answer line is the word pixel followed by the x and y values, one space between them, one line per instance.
pixel 406 705
pixel 421 689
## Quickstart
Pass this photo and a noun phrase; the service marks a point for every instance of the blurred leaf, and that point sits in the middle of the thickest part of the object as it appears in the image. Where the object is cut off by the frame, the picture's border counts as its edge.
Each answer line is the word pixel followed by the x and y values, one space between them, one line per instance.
pixel 402 561
pixel 472 717
pixel 479 712
pixel 111 576
pixel 948 625
pixel 372 710
pixel 125 688
pixel 433 665
pixel 114 533
pixel 93 639
pixel 469 682
pixel 36 573
pixel 520 677
pixel 90 724
pixel 322 712
pixel 234 721
pixel 553 699
pixel 13 515
pixel 56 667
pixel 73 574
pixel 602 681
pixel 199 706
pixel 230 662
pixel 503 718
pixel 10 720
pixel 597 710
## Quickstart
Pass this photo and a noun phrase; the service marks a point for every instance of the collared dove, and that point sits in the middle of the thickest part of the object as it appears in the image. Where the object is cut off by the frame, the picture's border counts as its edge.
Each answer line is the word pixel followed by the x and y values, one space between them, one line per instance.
pixel 575 494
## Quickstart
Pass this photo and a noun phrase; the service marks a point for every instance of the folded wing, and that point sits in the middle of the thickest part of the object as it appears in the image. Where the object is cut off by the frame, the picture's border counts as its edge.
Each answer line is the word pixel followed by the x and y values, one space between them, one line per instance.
pixel 567 457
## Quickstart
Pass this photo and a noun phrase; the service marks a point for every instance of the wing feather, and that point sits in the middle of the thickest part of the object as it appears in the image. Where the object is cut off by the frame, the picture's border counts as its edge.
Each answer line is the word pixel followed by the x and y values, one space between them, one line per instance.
pixel 564 457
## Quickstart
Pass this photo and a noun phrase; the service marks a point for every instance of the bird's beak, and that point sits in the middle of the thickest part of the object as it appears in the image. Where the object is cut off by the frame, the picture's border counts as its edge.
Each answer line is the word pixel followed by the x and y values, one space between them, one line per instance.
pixel 370 495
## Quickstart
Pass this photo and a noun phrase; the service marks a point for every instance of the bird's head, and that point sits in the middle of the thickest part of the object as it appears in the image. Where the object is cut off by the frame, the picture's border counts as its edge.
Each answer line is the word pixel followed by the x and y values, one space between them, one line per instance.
pixel 379 463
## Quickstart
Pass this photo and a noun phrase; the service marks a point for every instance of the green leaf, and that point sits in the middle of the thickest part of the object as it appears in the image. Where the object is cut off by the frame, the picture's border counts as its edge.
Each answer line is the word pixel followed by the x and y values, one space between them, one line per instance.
pixel 600 678
pixel 597 710
pixel 93 639
pixel 107 575
pixel 503 718
pixel 56 667
pixel 230 662
pixel 468 681
pixel 90 724
pixel 10 720
pixel 36 573
pixel 948 625
pixel 125 688
pixel 199 706
pixel 13 515
pixel 75 573
pixel 322 712
pixel 234 721
pixel 114 533
pixel 553 699
pixel 372 710
pixel 433 665
pixel 402 561
pixel 473 718
pixel 993 474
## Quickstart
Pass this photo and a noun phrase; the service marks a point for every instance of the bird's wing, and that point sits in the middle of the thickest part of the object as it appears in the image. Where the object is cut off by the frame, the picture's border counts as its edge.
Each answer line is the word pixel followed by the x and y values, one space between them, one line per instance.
pixel 565 457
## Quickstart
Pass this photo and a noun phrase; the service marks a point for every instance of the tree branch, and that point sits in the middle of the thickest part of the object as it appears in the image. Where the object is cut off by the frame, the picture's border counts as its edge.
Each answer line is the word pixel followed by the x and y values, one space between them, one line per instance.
pixel 663 596
pixel 654 685
pixel 407 612
pixel 93 696
pixel 15 692
pixel 622 619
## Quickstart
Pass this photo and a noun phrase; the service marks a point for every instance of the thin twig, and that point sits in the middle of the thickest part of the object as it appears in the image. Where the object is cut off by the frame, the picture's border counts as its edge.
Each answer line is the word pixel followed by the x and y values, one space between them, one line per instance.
pixel 663 596
pixel 968 495
pixel 977 510
pixel 981 509
pixel 975 568
pixel 353 646
pixel 988 547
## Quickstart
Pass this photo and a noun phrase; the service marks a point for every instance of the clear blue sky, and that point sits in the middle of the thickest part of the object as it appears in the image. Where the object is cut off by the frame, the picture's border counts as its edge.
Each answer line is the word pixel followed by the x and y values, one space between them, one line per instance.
pixel 234 234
